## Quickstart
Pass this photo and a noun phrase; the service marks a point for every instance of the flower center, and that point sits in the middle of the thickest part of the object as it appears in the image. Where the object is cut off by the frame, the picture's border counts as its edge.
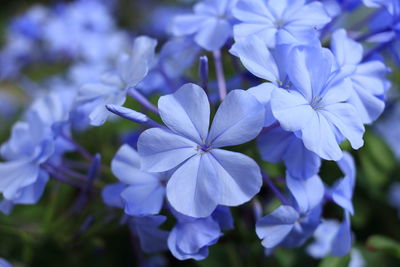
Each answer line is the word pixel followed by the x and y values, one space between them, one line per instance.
pixel 203 148
pixel 279 23
pixel 316 103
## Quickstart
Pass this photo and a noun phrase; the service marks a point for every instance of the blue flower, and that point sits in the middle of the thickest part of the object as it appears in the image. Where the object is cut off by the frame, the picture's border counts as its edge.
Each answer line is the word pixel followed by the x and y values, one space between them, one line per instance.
pixel 279 145
pixel 22 178
pixel 292 225
pixel 191 237
pixel 267 18
pixel 331 237
pixel 368 78
pixel 342 191
pixel 131 69
pixel 175 57
pixel 211 23
pixel 206 175
pixel 141 193
pixel 316 105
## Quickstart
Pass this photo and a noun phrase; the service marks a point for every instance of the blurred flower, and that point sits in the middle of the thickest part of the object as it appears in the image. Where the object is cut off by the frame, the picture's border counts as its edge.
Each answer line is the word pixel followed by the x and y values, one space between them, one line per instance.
pixel 211 23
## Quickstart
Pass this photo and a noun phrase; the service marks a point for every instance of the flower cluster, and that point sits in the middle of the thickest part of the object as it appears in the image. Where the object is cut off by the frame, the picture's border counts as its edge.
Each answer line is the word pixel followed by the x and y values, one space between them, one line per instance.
pixel 308 88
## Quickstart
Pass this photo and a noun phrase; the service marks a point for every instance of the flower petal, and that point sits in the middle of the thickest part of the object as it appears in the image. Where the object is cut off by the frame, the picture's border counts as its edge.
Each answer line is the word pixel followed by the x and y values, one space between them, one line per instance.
pixel 239 177
pixel 256 57
pixel 16 175
pixel 213 34
pixel 239 119
pixel 346 119
pixel 342 191
pixel 186 112
pixel 307 192
pixel 274 227
pixel 126 167
pixel 319 137
pixel 193 189
pixel 143 199
pixel 263 94
pixel 161 150
pixel 291 109
pixel 111 195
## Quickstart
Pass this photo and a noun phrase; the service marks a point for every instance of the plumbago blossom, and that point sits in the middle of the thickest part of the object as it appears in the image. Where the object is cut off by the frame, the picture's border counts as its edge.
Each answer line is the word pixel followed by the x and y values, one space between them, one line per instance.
pixel 207 176
pixel 211 23
pixel 113 88
pixel 300 100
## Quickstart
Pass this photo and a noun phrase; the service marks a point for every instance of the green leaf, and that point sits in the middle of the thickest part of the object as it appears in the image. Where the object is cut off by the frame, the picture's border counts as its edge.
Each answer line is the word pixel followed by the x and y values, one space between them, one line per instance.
pixel 384 244
pixel 331 261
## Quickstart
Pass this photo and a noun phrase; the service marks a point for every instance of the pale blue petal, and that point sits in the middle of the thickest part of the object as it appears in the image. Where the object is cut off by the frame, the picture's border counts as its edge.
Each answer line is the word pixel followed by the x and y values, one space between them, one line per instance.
pixel 213 34
pixel 345 118
pixel 319 137
pixel 310 69
pixel 263 94
pixel 16 175
pixel 161 150
pixel 99 114
pixel 20 143
pixel 323 235
pixel 342 243
pixel 369 106
pixel 265 32
pixel 126 167
pixel 134 68
pixel 256 57
pixel 346 50
pixel 32 193
pixel 291 109
pixel 187 24
pixel 186 112
pixel 239 119
pixel 239 177
pixel 195 235
pixel 111 195
pixel 195 182
pixel 143 199
pixel 311 16
pixel 278 145
pixel 342 191
pixel 308 193
pixel 173 240
pixel 274 228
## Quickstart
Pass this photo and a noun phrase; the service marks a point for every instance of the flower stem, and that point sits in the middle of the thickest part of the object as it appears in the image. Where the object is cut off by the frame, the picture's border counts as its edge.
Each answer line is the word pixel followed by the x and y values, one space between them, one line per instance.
pixel 220 74
pixel 78 147
pixel 60 177
pixel 66 171
pixel 132 92
pixel 275 190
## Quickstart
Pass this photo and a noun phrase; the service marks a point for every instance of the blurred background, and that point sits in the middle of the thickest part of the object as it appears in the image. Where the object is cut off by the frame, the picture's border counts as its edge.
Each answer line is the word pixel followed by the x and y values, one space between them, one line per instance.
pixel 50 43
